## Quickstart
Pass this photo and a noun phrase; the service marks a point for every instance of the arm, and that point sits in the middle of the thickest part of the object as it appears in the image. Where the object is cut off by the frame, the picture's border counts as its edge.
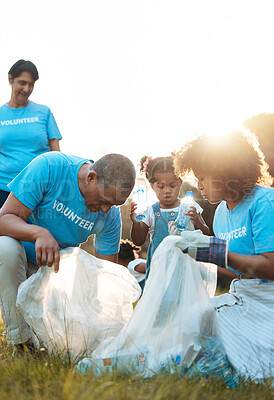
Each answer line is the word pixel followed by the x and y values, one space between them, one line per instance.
pixel 54 144
pixel 139 230
pixel 141 268
pixel 13 217
pixel 258 235
pixel 253 266
pixel 110 257
pixel 54 134
pixel 256 266
pixel 227 272
pixel 197 220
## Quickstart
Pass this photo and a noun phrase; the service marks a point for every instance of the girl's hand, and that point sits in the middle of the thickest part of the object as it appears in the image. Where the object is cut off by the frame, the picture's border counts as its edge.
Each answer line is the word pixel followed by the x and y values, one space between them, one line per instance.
pixel 132 211
pixel 139 230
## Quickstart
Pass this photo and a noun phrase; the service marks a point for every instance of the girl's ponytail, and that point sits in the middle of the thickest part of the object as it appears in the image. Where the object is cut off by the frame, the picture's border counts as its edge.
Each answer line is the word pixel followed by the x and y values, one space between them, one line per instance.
pixel 150 166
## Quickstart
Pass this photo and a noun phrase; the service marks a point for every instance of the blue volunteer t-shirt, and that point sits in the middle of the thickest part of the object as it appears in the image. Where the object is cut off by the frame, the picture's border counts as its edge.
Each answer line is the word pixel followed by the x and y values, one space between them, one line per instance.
pixel 49 187
pixel 249 227
pixel 24 134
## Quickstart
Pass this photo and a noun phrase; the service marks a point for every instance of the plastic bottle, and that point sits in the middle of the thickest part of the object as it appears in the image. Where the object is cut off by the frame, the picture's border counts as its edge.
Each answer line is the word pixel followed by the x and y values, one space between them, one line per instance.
pixel 182 221
pixel 141 201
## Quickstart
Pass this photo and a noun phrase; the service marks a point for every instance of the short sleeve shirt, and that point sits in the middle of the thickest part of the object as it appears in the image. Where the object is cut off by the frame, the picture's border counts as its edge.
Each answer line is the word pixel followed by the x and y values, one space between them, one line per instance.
pixel 24 134
pixel 249 227
pixel 149 219
pixel 49 187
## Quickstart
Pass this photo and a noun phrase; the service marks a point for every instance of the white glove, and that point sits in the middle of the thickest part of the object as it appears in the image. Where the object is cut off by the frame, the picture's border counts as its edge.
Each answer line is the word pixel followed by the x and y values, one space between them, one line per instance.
pixel 172 230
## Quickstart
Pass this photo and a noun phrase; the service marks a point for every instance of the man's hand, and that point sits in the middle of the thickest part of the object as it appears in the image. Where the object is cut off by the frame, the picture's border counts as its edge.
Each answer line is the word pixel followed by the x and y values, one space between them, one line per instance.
pixel 13 217
pixel 47 250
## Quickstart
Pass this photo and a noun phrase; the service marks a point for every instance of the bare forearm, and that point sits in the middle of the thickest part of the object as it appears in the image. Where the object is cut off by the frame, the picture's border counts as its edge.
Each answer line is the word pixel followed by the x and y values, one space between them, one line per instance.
pixel 256 266
pixel 198 221
pixel 138 235
pixel 202 226
pixel 226 272
pixel 13 226
pixel 13 217
pixel 141 268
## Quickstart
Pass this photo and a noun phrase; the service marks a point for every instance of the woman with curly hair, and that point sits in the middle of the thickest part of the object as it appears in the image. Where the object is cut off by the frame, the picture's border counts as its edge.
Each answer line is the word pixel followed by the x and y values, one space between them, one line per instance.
pixel 231 170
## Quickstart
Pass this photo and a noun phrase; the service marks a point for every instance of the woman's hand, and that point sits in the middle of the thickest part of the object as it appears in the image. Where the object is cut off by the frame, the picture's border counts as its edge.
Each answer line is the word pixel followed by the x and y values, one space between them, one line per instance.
pixel 193 216
pixel 197 220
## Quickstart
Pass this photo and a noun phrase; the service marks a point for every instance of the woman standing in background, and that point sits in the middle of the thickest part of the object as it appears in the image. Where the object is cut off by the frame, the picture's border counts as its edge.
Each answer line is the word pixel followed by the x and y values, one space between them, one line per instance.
pixel 27 129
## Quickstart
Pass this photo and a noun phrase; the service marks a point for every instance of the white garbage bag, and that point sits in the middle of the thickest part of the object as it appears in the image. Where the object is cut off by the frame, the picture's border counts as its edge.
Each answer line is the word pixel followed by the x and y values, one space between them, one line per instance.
pixel 86 302
pixel 171 322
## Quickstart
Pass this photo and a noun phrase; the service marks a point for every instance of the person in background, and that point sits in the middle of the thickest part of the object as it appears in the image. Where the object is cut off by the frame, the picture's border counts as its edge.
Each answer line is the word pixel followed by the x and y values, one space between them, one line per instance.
pixel 27 129
pixel 160 174
pixel 231 170
pixel 56 202
pixel 128 257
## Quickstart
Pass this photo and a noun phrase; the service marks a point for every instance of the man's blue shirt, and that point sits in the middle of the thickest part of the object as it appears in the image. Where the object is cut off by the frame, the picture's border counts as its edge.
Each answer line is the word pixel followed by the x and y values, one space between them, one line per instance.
pixel 49 187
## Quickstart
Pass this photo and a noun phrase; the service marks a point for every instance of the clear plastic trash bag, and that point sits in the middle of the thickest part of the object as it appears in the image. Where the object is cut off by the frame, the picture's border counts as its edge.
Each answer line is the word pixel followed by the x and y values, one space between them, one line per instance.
pixel 172 325
pixel 86 302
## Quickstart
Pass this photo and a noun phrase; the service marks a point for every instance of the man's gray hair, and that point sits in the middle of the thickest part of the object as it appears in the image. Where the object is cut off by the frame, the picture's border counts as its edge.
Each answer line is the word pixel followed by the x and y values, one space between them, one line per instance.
pixel 115 170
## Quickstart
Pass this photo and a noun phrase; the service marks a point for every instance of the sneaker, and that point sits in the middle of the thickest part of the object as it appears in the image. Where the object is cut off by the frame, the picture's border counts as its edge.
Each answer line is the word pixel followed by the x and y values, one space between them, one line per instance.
pixel 26 349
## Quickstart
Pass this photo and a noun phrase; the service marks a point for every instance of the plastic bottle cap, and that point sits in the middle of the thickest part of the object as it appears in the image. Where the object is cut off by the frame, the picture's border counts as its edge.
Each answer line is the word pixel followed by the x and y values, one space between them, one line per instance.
pixel 140 191
pixel 189 193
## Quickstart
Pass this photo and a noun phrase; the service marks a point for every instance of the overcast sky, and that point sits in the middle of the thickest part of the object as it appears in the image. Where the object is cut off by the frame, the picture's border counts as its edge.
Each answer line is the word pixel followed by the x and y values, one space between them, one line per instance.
pixel 141 77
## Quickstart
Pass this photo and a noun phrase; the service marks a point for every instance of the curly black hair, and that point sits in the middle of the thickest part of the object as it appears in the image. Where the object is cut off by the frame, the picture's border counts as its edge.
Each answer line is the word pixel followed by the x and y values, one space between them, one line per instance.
pixel 128 250
pixel 234 157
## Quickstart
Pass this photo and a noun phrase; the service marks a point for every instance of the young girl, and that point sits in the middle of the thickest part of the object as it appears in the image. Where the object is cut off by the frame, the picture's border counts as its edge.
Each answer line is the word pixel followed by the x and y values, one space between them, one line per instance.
pixel 128 257
pixel 160 174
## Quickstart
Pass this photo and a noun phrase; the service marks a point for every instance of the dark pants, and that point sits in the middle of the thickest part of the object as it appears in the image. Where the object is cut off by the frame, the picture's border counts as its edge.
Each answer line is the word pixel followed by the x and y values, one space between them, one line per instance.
pixel 3 197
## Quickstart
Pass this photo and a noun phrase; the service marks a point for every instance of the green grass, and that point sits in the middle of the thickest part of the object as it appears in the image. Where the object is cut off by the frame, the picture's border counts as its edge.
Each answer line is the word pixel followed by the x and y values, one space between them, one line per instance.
pixel 45 378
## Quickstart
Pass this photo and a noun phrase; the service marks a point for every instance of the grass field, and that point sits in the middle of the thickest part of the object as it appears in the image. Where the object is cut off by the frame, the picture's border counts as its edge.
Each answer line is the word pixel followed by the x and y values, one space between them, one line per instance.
pixel 44 378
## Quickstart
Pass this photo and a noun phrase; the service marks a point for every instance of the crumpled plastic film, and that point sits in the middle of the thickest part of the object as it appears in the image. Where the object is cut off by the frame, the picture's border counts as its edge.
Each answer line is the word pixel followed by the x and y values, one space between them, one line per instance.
pixel 86 302
pixel 170 322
